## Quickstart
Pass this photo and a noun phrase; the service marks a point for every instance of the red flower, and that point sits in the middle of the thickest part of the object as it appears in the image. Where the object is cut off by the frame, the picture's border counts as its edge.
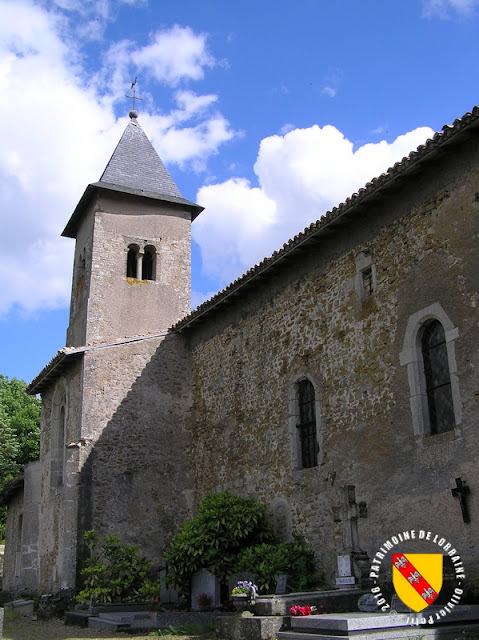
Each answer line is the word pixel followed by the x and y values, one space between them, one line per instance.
pixel 296 610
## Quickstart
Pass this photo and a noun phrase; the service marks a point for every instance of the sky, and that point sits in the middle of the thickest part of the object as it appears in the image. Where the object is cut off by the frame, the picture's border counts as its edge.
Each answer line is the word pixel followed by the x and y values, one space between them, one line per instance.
pixel 268 113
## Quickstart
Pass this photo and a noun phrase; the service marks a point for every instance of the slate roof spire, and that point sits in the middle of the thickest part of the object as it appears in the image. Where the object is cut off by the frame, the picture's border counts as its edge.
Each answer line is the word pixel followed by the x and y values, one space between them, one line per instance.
pixel 136 169
pixel 136 165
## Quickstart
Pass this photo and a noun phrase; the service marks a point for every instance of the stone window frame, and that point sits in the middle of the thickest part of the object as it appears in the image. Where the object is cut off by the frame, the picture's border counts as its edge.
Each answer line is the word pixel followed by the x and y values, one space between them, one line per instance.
pixel 412 358
pixel 58 433
pixel 296 454
pixel 135 251
pixel 365 268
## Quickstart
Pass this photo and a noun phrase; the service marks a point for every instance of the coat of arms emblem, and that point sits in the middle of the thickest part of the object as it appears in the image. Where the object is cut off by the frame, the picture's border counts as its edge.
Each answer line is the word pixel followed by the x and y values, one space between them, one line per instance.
pixel 417 578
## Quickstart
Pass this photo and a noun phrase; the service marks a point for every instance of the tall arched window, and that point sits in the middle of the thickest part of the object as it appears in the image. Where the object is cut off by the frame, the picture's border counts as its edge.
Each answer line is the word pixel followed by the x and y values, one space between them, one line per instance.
pixel 429 354
pixel 307 424
pixel 132 261
pixel 437 378
pixel 148 264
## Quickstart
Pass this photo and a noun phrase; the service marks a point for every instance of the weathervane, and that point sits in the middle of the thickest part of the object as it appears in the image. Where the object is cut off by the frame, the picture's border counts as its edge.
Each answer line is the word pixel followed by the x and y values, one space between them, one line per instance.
pixel 133 112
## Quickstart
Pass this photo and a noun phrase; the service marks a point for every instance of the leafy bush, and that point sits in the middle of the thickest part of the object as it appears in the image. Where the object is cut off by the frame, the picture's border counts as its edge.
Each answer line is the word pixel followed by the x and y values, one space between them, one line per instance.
pixel 116 573
pixel 231 534
pixel 268 560
pixel 225 525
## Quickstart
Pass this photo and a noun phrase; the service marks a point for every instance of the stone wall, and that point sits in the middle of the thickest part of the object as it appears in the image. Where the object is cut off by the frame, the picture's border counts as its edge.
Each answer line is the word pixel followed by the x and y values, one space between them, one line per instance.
pixel 59 480
pixel 314 321
pixel 135 474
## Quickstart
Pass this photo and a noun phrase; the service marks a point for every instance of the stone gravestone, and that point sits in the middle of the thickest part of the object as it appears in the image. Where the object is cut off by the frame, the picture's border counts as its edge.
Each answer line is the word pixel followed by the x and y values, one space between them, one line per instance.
pixel 345 577
pixel 368 603
pixel 204 583
pixel 1 624
pixel 167 595
pixel 358 560
pixel 281 584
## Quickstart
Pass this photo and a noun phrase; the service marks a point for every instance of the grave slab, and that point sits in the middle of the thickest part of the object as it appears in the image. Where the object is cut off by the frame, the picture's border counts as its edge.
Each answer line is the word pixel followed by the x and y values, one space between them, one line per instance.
pixel 462 622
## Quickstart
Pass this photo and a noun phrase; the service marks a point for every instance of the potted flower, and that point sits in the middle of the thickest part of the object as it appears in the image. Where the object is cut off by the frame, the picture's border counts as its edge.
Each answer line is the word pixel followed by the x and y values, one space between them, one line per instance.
pixel 244 595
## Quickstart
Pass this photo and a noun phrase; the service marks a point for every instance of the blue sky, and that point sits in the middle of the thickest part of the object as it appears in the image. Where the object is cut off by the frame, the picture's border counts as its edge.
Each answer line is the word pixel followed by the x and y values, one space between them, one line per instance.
pixel 268 113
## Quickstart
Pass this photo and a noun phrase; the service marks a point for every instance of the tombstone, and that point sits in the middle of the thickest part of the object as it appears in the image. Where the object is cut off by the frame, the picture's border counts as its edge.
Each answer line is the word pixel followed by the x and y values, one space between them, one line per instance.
pixel 1 624
pixel 368 603
pixel 204 585
pixel 345 577
pixel 358 568
pixel 281 584
pixel 168 596
pixel 282 520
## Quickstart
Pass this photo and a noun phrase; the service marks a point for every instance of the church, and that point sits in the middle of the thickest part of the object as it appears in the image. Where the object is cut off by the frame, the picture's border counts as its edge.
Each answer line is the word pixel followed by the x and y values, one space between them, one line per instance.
pixel 336 381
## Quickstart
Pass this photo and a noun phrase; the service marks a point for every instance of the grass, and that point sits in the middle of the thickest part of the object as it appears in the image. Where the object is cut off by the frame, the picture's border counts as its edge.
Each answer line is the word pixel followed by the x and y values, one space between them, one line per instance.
pixel 204 629
pixel 18 627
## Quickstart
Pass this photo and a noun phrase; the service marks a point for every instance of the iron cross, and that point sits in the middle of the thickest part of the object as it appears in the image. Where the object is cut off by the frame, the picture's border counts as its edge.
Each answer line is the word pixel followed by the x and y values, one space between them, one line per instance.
pixel 461 491
pixel 134 96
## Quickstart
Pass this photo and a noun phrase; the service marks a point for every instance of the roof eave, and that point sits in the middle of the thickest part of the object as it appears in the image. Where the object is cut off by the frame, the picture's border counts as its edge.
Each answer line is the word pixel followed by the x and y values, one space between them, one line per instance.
pixel 106 187
pixel 53 369
pixel 437 146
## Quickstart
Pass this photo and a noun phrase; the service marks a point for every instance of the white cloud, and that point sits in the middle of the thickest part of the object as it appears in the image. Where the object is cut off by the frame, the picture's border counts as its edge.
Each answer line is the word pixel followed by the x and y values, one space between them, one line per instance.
pixel 332 83
pixel 231 231
pixel 301 175
pixel 175 54
pixel 329 91
pixel 449 9
pixel 60 129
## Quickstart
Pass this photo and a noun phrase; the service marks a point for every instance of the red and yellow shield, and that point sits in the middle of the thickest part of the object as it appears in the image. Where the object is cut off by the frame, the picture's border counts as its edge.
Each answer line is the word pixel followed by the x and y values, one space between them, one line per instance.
pixel 417 578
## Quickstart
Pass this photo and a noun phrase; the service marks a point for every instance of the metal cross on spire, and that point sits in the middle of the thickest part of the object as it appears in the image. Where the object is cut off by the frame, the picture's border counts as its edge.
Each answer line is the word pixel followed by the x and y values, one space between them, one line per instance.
pixel 133 112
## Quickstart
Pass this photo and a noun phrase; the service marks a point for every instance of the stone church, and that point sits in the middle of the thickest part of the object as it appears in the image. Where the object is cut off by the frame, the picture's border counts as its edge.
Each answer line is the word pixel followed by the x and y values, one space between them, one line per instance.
pixel 336 381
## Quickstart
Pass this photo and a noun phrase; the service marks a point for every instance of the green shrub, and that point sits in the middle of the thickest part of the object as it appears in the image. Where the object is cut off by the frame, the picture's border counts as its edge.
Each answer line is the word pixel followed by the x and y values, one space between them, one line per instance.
pixel 213 540
pixel 116 572
pixel 231 534
pixel 268 560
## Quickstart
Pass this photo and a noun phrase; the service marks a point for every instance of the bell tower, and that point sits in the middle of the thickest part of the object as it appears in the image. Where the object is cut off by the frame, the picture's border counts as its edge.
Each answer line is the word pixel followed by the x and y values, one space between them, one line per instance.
pixel 132 265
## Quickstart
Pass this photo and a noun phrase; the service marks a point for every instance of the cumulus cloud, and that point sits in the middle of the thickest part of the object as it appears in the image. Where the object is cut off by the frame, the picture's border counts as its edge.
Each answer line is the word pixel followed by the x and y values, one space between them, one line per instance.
pixel 301 175
pixel 60 128
pixel 174 54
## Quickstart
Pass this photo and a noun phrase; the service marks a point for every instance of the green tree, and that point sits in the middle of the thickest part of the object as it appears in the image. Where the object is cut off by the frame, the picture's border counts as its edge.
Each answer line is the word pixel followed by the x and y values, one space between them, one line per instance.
pixel 20 413
pixel 19 431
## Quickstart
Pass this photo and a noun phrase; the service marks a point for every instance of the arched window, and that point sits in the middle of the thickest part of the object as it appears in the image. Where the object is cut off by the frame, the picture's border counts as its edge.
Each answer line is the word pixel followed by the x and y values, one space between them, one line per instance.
pixel 437 378
pixel 148 263
pixel 132 261
pixel 304 424
pixel 429 354
pixel 141 263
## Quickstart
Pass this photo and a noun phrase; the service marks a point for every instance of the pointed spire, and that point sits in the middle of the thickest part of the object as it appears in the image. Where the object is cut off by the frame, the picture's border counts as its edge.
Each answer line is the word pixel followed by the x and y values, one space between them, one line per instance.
pixel 136 165
pixel 134 168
